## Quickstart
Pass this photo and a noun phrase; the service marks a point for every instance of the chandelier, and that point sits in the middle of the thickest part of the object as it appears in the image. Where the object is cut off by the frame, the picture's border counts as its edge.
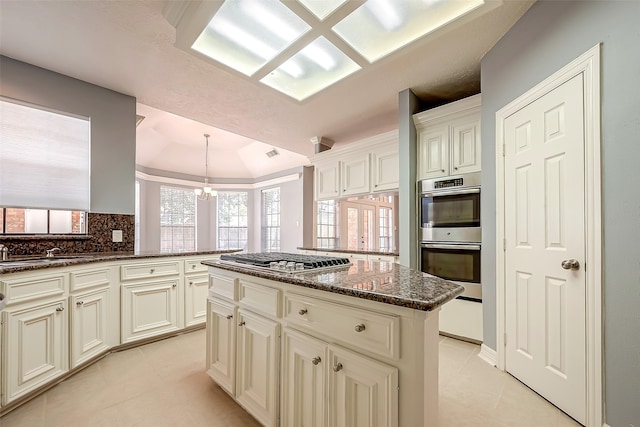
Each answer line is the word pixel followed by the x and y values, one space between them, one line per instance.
pixel 206 192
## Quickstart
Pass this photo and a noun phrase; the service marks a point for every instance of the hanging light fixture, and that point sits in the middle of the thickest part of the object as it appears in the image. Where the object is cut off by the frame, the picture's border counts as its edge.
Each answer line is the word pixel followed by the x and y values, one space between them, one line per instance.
pixel 206 192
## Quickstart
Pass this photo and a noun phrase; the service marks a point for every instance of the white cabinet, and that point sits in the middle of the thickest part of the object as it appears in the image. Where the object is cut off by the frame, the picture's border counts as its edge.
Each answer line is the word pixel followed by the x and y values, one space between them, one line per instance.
pixel 196 289
pixel 355 175
pixel 363 392
pixel 258 351
pixel 36 338
pixel 327 179
pixel 89 323
pixel 221 344
pixel 449 139
pixel 304 369
pixel 385 171
pixel 363 167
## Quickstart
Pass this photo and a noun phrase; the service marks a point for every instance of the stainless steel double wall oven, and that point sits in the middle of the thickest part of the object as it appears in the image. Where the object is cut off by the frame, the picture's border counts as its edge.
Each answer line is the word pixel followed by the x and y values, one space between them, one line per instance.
pixel 450 232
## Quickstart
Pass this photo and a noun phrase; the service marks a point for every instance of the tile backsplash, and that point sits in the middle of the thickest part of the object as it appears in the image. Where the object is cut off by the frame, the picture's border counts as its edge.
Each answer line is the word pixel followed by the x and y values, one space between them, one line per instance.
pixel 97 239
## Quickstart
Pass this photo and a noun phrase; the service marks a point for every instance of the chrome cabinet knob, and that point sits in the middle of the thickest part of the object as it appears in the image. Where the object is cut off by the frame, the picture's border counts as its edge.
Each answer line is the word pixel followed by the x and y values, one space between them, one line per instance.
pixel 316 360
pixel 229 316
pixel 152 270
pixel 337 367
pixel 360 327
pixel 570 264
pixel 242 323
pixel 174 285
pixel 79 303
pixel 191 283
pixel 60 308
pixel 302 312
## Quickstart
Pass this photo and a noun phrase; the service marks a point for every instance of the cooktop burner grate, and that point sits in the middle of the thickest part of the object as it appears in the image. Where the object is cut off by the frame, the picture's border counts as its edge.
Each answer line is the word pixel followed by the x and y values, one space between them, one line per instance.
pixel 286 261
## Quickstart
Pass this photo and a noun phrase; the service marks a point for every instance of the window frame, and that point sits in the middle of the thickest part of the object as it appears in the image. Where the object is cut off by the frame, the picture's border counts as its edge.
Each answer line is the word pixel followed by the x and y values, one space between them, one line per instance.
pixel 176 226
pixel 228 228
pixel 270 241
pixel 83 221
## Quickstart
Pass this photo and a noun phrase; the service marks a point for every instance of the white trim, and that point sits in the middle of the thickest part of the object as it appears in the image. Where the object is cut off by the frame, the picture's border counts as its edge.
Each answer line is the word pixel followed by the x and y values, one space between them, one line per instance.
pixel 488 354
pixel 368 145
pixel 219 187
pixel 467 105
pixel 587 64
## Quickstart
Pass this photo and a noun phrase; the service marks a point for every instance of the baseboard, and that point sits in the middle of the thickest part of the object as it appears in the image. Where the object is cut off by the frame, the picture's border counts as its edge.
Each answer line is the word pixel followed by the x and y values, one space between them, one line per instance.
pixel 489 355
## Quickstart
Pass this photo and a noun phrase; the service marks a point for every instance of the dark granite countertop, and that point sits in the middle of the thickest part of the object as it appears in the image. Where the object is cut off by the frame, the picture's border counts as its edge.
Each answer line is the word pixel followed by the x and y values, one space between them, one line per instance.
pixel 17 264
pixel 350 251
pixel 384 282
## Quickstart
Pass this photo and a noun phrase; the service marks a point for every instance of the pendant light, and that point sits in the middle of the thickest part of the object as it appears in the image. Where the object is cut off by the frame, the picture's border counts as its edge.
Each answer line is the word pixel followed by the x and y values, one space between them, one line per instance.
pixel 206 192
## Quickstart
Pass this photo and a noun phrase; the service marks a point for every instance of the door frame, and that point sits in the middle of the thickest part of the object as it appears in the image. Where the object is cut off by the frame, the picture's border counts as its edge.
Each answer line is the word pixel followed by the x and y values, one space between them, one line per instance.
pixel 587 64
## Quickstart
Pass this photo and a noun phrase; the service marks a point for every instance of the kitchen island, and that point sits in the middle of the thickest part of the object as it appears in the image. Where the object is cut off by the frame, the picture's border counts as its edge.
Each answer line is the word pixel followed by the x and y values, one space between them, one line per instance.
pixel 346 346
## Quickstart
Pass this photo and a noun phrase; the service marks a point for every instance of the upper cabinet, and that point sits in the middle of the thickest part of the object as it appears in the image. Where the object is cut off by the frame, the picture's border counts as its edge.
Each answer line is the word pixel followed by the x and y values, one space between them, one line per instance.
pixel 364 167
pixel 449 139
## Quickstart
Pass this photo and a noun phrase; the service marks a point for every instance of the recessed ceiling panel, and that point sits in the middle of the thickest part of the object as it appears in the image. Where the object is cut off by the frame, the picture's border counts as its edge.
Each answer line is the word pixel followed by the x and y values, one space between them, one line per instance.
pixel 322 8
pixel 380 27
pixel 246 34
pixel 315 67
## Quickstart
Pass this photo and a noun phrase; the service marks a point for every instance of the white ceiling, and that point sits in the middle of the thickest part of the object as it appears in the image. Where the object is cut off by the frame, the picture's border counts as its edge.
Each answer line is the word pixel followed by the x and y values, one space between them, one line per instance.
pixel 128 46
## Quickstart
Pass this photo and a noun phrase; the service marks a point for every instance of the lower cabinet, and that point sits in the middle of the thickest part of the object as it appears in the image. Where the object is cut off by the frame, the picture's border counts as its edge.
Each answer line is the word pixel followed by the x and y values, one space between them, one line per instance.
pixel 37 337
pixel 196 289
pixel 89 322
pixel 362 391
pixel 243 351
pixel 149 308
pixel 258 351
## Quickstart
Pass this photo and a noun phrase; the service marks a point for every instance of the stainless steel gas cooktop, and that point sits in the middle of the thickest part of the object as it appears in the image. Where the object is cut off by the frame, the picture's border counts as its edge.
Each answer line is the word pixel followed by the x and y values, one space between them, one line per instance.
pixel 287 262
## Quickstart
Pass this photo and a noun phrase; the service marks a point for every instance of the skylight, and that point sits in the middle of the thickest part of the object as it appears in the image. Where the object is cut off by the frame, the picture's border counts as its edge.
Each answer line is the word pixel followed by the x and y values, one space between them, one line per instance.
pixel 302 47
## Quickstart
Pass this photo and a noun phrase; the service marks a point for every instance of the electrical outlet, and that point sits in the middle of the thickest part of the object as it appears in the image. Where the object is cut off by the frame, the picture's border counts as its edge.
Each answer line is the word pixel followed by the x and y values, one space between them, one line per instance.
pixel 116 236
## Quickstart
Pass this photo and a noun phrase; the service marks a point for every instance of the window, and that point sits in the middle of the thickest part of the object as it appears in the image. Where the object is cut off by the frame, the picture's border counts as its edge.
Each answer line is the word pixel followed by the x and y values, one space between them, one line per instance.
pixel 177 220
pixel 136 239
pixel 271 220
pixel 42 221
pixel 232 220
pixel 386 228
pixel 45 159
pixel 327 230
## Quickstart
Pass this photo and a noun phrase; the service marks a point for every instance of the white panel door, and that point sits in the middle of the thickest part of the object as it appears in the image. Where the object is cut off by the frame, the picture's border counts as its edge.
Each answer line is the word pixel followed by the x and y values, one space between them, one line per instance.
pixel 327 181
pixel 221 344
pixel 257 368
pixel 89 312
pixel 196 290
pixel 545 229
pixel 36 349
pixel 362 392
pixel 433 152
pixel 355 175
pixel 465 144
pixel 304 368
pixel 386 171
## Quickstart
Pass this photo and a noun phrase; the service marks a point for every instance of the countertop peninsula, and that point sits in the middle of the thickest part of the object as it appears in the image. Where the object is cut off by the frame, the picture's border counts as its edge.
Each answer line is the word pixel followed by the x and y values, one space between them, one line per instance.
pixel 29 263
pixel 385 282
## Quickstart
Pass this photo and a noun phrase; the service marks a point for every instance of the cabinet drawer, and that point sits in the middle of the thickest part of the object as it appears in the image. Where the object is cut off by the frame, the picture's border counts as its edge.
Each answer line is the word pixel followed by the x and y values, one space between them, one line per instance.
pixel 149 269
pixel 223 287
pixel 33 287
pixel 89 278
pixel 196 266
pixel 260 298
pixel 373 332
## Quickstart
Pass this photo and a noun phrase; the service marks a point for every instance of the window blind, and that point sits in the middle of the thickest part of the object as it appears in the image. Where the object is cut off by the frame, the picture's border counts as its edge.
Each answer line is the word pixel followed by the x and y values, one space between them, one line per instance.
pixel 45 158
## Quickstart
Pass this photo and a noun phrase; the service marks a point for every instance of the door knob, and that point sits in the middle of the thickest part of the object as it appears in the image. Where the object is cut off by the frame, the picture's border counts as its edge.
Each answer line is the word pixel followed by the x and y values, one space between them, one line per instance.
pixel 570 264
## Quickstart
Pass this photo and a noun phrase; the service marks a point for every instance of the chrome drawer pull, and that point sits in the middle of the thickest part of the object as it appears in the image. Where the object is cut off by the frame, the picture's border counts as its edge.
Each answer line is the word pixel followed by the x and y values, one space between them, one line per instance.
pixel 337 368
pixel 360 327
pixel 316 360
pixel 302 312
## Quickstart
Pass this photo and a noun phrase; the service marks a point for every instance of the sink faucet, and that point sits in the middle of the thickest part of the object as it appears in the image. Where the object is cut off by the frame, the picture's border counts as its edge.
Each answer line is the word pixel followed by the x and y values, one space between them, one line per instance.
pixel 4 252
pixel 50 252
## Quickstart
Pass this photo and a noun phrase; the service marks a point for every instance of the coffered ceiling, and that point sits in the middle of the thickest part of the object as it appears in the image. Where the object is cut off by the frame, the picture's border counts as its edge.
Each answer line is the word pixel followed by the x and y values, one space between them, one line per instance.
pixel 130 47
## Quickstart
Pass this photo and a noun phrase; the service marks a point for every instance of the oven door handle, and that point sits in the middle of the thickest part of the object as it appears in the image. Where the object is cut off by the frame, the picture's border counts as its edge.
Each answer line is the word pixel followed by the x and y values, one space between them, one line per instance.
pixel 450 192
pixel 454 247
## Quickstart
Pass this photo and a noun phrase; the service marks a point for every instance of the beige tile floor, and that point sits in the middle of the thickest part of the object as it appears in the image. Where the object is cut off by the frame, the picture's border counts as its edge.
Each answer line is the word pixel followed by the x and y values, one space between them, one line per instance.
pixel 164 384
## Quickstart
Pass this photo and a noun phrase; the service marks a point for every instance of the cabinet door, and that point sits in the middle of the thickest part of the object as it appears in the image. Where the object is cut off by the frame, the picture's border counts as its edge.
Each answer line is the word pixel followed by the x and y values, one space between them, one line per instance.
pixel 385 171
pixel 196 290
pixel 465 144
pixel 327 181
pixel 88 325
pixel 257 369
pixel 433 152
pixel 304 368
pixel 221 344
pixel 363 391
pixel 36 349
pixel 149 309
pixel 355 175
